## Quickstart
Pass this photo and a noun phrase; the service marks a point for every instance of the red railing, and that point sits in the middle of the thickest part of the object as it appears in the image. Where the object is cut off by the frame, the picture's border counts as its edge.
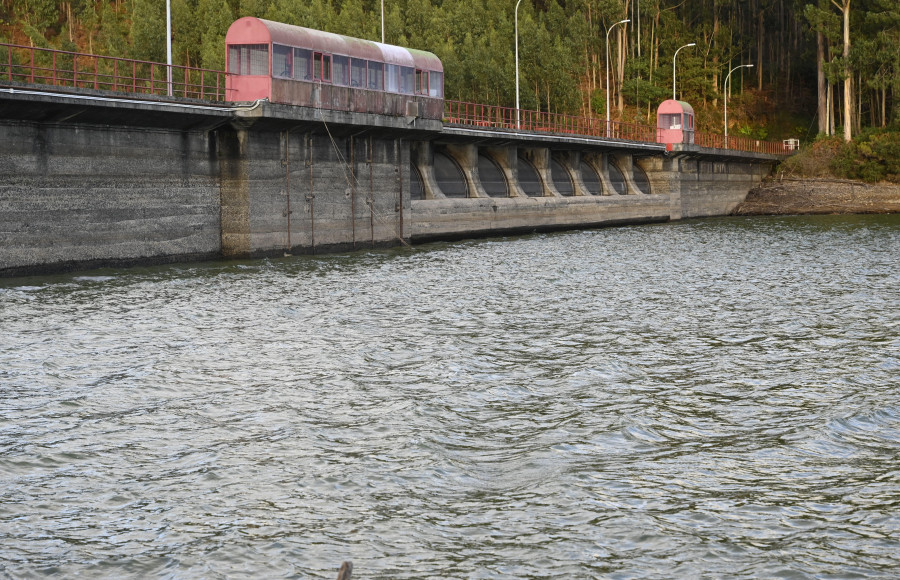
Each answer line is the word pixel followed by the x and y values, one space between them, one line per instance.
pixel 496 117
pixel 509 118
pixel 715 141
pixel 29 65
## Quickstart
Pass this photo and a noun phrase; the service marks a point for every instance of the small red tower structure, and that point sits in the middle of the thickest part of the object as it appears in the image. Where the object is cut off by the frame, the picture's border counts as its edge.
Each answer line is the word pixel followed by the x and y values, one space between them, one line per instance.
pixel 675 122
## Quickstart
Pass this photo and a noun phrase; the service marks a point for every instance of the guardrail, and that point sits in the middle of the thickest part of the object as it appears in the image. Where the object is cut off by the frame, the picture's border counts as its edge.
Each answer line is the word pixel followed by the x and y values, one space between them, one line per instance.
pixel 30 65
pixel 520 119
pixel 714 141
pixel 497 117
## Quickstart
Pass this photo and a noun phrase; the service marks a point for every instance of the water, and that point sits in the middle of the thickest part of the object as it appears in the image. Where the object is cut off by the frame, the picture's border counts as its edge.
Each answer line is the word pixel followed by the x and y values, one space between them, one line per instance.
pixel 716 398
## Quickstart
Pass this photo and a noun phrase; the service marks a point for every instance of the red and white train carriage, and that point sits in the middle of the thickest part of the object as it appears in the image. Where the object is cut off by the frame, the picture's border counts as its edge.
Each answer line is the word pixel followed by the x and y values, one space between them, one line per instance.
pixel 301 66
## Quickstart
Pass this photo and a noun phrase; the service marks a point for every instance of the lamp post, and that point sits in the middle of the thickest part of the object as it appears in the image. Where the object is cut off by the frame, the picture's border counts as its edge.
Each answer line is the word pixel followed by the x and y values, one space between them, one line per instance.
pixel 728 76
pixel 518 121
pixel 169 45
pixel 607 70
pixel 673 68
pixel 382 21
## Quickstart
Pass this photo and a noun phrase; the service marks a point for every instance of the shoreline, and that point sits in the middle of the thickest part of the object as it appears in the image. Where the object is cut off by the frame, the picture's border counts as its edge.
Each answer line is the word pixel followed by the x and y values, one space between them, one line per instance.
pixel 795 196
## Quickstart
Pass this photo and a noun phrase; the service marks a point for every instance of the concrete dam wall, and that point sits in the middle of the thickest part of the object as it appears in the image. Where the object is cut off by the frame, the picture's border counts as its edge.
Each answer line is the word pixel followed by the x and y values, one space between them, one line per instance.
pixel 100 182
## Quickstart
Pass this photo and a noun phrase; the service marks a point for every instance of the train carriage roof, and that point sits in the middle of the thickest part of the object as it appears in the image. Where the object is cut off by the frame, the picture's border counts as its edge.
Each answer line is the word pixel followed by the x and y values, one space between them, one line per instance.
pixel 250 30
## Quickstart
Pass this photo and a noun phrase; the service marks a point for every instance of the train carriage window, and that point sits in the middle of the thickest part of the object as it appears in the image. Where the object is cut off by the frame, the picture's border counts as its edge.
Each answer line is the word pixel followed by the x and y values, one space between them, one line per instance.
pixel 392 78
pixel 341 70
pixel 248 59
pixel 357 73
pixel 322 67
pixel 436 87
pixel 376 76
pixel 407 79
pixel 302 64
pixel 282 61
pixel 421 82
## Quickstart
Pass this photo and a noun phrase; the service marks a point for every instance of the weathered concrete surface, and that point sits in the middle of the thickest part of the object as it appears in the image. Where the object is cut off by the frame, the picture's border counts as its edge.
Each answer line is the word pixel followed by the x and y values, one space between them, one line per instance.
pixel 80 196
pixel 680 188
pixel 309 192
pixel 449 218
pixel 714 188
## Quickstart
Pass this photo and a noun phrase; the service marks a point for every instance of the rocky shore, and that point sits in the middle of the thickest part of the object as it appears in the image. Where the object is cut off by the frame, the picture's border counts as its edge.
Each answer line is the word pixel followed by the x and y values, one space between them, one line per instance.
pixel 794 196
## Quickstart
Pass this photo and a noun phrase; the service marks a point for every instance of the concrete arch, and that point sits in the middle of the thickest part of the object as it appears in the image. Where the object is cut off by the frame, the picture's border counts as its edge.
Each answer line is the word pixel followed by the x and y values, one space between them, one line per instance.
pixel 491 176
pixel 659 170
pixel 466 158
pixel 526 172
pixel 625 163
pixel 422 157
pixel 416 183
pixel 585 169
pixel 562 178
pixel 507 159
pixel 539 158
pixel 599 163
pixel 641 179
pixel 571 162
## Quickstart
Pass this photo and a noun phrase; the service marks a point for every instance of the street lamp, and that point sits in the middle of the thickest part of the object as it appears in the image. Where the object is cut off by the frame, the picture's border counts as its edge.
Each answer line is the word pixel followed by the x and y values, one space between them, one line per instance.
pixel 726 97
pixel 169 45
pixel 518 122
pixel 607 70
pixel 673 68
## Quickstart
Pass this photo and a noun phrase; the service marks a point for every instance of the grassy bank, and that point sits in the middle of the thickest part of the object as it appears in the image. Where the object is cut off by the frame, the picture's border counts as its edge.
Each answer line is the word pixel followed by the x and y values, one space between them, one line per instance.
pixel 872 157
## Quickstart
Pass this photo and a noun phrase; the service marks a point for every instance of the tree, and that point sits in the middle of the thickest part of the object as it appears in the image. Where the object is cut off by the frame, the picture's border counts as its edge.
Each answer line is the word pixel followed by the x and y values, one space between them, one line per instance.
pixel 844 7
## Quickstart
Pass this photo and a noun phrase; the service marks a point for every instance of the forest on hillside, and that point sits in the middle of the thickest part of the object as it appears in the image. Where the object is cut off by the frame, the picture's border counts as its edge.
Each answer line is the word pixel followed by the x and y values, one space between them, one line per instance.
pixel 819 66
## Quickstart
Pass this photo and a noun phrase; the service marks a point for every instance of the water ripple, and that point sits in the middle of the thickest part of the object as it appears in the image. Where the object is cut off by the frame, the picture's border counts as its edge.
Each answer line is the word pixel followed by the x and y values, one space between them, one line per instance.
pixel 702 399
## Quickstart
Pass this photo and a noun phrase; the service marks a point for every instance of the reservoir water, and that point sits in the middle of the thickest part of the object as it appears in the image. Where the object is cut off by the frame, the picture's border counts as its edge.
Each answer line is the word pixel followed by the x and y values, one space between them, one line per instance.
pixel 716 398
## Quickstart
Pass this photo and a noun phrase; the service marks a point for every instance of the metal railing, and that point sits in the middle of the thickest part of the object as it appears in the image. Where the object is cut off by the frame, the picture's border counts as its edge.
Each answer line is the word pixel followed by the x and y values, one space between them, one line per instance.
pixel 496 117
pixel 509 118
pixel 715 141
pixel 30 65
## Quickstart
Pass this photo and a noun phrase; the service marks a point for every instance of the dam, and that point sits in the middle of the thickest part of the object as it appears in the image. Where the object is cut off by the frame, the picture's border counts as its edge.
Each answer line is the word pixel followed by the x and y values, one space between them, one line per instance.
pixel 92 178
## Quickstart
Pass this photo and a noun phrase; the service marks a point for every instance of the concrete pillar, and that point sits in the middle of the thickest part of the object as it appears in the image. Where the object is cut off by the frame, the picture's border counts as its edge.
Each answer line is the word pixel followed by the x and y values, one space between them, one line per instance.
pixel 540 159
pixel 658 169
pixel 571 161
pixel 466 156
pixel 624 162
pixel 599 162
pixel 507 158
pixel 422 156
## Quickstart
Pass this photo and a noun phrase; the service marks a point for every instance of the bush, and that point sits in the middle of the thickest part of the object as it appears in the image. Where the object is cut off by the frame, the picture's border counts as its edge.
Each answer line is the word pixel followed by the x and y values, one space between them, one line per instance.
pixel 813 161
pixel 873 156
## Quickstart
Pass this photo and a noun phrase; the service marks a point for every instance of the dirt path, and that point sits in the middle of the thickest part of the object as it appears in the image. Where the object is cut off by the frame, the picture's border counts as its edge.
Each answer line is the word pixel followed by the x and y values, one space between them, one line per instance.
pixel 820 196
